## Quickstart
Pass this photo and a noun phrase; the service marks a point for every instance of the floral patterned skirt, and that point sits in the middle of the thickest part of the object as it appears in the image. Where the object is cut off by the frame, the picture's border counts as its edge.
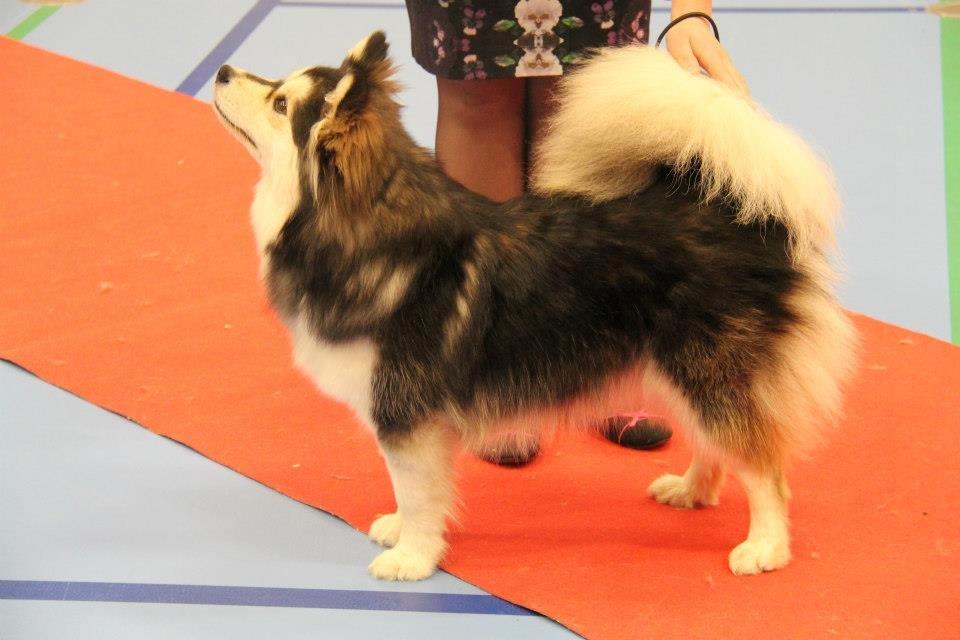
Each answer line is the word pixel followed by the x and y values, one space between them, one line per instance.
pixel 479 39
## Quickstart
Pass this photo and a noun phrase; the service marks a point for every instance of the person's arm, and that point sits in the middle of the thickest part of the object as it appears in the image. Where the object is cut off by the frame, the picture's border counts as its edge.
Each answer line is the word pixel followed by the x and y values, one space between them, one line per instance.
pixel 692 44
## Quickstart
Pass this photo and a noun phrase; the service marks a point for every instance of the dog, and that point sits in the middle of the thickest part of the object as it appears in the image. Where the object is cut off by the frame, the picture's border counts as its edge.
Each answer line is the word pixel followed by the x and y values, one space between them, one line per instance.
pixel 672 253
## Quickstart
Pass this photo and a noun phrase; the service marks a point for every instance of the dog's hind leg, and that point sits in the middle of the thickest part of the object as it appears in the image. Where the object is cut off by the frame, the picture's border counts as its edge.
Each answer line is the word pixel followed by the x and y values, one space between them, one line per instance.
pixel 727 428
pixel 699 486
pixel 754 446
pixel 421 469
pixel 767 546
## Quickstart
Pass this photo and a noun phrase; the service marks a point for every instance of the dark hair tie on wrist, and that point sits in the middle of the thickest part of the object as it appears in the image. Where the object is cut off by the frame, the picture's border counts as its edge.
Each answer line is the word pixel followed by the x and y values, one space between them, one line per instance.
pixel 692 14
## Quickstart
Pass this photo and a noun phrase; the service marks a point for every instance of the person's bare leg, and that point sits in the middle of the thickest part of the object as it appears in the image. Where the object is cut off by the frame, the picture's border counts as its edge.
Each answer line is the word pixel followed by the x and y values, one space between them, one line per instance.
pixel 480 144
pixel 480 133
pixel 540 106
pixel 633 431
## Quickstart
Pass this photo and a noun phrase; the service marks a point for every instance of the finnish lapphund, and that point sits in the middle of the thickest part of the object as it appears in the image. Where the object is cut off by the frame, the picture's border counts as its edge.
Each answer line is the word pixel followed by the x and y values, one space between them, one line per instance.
pixel 671 256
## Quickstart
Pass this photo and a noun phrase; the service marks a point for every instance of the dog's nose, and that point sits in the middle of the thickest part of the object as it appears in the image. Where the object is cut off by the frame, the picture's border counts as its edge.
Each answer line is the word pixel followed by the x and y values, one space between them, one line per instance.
pixel 224 74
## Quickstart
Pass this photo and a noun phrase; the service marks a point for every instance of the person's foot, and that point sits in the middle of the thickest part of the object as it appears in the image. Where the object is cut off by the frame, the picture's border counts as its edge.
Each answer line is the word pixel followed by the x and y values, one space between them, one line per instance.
pixel 636 432
pixel 510 457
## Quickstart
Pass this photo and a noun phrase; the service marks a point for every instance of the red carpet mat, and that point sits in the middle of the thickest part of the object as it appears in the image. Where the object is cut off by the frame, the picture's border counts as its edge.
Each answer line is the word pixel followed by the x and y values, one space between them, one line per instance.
pixel 129 277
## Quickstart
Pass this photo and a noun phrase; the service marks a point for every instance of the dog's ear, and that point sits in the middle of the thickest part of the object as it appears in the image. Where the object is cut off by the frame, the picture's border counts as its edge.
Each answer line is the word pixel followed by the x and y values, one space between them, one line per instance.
pixel 366 69
pixel 358 108
pixel 369 52
pixel 365 73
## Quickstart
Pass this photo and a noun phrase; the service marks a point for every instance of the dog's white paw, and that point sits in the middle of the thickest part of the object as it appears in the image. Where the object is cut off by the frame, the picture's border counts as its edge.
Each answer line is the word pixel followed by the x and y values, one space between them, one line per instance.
pixel 676 491
pixel 385 530
pixel 400 564
pixel 756 556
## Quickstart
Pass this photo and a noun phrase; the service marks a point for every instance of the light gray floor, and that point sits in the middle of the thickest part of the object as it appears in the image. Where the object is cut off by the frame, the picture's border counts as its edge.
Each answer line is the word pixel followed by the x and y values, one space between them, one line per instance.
pixel 88 496
pixel 865 89
pixel 159 43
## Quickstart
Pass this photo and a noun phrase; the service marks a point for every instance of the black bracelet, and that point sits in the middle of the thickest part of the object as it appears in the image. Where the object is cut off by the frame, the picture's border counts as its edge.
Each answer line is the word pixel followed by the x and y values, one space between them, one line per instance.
pixel 692 14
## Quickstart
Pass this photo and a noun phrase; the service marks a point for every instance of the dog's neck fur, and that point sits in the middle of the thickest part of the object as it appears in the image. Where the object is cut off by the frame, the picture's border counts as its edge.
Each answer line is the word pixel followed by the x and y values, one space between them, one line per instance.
pixel 274 200
pixel 345 258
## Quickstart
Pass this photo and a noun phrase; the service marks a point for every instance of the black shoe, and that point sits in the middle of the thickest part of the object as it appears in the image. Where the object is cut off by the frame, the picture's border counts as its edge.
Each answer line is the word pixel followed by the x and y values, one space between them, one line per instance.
pixel 510 457
pixel 636 433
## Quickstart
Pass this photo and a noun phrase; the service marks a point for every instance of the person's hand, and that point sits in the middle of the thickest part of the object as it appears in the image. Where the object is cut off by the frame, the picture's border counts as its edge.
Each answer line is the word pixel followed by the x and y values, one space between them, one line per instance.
pixel 692 44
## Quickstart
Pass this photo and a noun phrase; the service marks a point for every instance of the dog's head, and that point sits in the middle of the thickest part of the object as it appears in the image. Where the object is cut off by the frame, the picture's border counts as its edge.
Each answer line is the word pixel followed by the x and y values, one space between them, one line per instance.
pixel 324 120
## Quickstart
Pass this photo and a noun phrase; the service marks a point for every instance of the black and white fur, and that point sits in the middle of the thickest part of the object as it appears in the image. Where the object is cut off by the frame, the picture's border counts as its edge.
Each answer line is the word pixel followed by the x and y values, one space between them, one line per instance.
pixel 671 257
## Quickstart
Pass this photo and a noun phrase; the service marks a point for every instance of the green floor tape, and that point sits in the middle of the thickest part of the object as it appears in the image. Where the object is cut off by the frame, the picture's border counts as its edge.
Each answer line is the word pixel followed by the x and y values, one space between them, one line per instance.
pixel 950 65
pixel 31 22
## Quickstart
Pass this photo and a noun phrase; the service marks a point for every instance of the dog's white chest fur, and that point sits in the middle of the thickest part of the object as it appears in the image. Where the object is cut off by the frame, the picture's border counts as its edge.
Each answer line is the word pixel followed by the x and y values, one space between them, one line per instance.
pixel 343 371
pixel 273 201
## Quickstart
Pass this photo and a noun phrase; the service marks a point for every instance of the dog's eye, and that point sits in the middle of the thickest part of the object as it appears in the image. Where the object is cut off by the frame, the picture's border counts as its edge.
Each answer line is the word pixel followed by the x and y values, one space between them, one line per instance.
pixel 280 105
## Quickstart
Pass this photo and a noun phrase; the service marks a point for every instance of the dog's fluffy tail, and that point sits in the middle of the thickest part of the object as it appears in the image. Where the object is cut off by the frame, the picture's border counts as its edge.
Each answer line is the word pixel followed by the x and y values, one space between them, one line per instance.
pixel 630 109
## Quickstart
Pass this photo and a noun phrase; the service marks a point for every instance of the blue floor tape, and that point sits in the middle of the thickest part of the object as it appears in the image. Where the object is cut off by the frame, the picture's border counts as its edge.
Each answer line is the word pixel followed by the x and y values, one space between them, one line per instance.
pixel 225 48
pixel 258 597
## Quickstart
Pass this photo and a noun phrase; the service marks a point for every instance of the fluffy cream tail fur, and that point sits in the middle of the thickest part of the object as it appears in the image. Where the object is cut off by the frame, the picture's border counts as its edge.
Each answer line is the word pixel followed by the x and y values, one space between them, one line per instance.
pixel 632 108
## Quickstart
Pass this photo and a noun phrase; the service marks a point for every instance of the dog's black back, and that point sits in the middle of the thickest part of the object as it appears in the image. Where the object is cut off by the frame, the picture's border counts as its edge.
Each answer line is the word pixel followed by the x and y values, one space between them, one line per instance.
pixel 561 295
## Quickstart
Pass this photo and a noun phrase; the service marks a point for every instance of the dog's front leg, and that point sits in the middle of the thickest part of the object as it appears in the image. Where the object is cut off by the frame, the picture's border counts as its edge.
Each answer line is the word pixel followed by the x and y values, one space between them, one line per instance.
pixel 421 469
